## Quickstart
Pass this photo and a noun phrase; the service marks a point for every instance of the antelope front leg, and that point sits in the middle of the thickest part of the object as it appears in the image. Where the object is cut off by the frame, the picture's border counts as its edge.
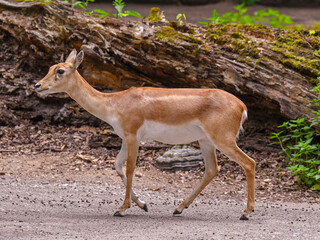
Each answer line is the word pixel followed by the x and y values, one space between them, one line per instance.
pixel 121 158
pixel 132 152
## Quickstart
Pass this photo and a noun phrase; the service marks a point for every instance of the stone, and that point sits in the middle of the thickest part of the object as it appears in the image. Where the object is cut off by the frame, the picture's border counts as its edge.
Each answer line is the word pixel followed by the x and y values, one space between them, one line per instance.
pixel 180 157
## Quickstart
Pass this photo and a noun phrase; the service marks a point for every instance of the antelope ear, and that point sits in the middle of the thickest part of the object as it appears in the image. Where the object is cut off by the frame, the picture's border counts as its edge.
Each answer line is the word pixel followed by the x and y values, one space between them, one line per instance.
pixel 72 57
pixel 78 61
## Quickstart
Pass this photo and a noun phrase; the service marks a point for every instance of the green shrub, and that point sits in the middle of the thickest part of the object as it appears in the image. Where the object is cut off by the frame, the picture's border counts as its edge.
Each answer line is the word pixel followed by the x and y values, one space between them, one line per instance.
pixel 270 16
pixel 300 142
pixel 118 5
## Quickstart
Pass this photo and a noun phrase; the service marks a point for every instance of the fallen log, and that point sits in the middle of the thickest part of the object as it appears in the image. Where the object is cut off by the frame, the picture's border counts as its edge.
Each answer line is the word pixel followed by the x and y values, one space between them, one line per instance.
pixel 272 70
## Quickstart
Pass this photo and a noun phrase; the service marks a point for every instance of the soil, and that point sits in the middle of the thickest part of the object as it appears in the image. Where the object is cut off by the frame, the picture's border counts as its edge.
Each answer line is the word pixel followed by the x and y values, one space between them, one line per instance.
pixel 58 181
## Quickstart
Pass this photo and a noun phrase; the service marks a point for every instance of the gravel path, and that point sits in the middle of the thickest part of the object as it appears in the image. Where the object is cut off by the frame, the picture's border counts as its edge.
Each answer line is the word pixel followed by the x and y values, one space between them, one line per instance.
pixel 33 209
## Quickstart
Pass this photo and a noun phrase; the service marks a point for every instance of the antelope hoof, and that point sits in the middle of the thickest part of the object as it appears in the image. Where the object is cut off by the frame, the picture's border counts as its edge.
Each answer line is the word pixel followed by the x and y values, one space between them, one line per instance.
pixel 117 214
pixel 145 208
pixel 243 217
pixel 176 212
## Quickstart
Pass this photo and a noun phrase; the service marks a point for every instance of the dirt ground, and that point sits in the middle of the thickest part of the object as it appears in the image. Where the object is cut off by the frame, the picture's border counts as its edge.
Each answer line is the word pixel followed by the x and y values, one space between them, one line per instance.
pixel 53 196
pixel 59 182
pixel 55 186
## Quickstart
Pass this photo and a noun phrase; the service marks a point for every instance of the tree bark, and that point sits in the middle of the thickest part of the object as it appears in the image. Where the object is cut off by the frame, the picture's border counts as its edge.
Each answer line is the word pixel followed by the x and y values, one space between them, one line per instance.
pixel 256 63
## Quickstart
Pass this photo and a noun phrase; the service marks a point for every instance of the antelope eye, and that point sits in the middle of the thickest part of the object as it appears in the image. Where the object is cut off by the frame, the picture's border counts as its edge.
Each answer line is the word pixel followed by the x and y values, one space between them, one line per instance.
pixel 60 71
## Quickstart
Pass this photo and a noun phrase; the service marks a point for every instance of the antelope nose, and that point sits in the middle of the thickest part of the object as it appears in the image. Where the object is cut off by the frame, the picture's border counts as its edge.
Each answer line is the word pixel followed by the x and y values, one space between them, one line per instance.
pixel 38 85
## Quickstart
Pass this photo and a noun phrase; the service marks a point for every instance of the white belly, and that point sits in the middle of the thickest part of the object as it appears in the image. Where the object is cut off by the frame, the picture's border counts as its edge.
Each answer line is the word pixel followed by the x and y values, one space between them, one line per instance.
pixel 171 134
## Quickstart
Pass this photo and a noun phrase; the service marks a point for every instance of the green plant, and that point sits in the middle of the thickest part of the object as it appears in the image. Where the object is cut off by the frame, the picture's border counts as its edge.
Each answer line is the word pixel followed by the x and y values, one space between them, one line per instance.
pixel 312 32
pixel 101 12
pixel 229 17
pixel 239 16
pixel 119 6
pixel 82 4
pixel 180 17
pixel 299 141
pixel 271 17
pixel 214 19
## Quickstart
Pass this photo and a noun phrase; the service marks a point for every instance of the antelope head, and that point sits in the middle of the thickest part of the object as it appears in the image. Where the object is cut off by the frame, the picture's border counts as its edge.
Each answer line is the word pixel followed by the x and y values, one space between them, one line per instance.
pixel 60 76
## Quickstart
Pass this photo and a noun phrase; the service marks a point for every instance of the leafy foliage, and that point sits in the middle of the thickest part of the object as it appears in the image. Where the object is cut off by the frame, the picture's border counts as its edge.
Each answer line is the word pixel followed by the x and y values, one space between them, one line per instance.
pixel 118 5
pixel 214 19
pixel 239 16
pixel 84 5
pixel 312 32
pixel 180 18
pixel 299 141
pixel 81 4
pixel 101 12
pixel 272 17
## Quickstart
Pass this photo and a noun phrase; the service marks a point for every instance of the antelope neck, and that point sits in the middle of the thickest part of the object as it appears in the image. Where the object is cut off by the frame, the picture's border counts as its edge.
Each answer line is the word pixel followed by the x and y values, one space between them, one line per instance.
pixel 97 103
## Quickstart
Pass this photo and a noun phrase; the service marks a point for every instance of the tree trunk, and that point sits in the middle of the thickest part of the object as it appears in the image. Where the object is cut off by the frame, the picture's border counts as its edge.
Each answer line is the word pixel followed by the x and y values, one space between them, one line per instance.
pixel 271 70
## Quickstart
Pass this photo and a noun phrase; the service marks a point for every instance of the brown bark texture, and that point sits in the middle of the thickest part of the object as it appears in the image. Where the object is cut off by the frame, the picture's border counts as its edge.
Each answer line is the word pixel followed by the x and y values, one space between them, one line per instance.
pixel 244 60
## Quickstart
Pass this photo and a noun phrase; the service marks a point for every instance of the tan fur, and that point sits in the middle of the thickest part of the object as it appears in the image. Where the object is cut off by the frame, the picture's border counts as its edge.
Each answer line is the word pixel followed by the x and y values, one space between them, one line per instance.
pixel 216 114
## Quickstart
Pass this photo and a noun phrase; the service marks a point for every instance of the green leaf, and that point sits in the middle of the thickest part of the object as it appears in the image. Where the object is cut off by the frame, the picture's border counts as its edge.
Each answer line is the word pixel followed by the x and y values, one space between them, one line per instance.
pixel 78 3
pixel 240 8
pixel 312 32
pixel 185 17
pixel 133 13
pixel 118 2
pixel 101 12
pixel 247 20
pixel 273 12
pixel 119 8
pixel 287 20
pixel 293 168
pixel 203 23
pixel 215 17
pixel 215 14
pixel 316 187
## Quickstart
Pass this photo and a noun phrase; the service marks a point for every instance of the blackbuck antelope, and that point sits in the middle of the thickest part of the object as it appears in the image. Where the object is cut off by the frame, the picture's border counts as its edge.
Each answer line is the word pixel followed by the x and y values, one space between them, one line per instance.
pixel 175 116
